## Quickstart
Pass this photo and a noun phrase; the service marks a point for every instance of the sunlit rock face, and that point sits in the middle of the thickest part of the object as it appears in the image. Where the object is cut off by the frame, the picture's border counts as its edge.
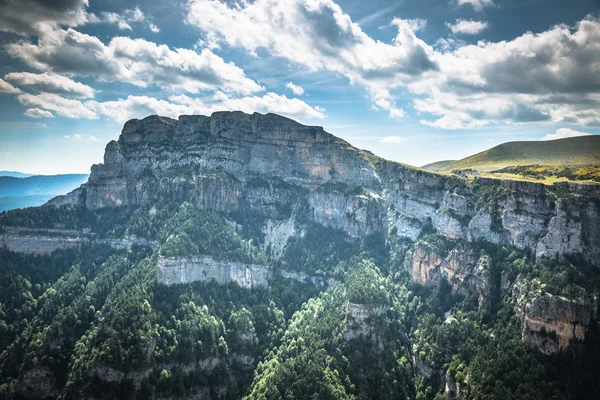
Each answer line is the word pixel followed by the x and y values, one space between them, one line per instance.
pixel 551 323
pixel 464 271
pixel 174 270
pixel 526 215
pixel 273 166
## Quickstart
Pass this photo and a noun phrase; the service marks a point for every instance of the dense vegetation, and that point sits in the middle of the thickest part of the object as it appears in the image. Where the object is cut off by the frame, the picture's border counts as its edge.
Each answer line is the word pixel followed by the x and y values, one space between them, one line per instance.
pixel 94 321
pixel 585 172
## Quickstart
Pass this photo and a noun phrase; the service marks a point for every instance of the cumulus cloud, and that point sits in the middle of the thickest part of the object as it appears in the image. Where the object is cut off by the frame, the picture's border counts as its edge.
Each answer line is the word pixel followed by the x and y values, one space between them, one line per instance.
pixel 393 139
pixel 467 27
pixel 297 90
pixel 549 76
pixel 51 83
pixel 477 5
pixel 319 36
pixel 564 133
pixel 122 110
pixel 124 19
pixel 6 87
pixel 134 61
pixel 140 106
pixel 38 113
pixel 35 16
pixel 68 108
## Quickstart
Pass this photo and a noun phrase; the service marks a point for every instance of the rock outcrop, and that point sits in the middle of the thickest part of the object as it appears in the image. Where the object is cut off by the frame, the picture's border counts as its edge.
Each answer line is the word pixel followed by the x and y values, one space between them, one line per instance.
pixel 552 323
pixel 359 319
pixel 271 165
pixel 553 221
pixel 173 270
pixel 45 241
pixel 464 271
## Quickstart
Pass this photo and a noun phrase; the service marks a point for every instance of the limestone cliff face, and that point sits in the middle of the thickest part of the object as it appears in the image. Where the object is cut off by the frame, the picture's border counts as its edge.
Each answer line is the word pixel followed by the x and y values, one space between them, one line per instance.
pixel 551 323
pixel 174 270
pixel 525 215
pixel 271 165
pixel 462 270
pixel 233 161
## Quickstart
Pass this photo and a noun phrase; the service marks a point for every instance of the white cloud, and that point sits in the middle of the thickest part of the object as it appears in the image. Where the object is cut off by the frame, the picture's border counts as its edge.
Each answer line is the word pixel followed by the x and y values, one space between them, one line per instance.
pixel 477 5
pixel 68 108
pixel 467 27
pixel 297 90
pixel 81 138
pixel 564 133
pixel 551 76
pixel 393 139
pixel 6 87
pixel 38 113
pixel 319 36
pixel 134 61
pixel 123 110
pixel 51 83
pixel 124 19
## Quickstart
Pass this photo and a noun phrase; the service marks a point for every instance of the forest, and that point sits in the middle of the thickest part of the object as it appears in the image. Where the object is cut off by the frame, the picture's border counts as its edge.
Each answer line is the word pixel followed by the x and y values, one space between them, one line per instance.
pixel 94 322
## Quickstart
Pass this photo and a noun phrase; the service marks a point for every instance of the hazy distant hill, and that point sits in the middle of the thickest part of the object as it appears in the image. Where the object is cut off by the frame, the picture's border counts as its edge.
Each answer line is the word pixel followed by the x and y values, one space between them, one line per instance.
pixel 35 190
pixel 570 151
pixel 438 165
pixel 14 174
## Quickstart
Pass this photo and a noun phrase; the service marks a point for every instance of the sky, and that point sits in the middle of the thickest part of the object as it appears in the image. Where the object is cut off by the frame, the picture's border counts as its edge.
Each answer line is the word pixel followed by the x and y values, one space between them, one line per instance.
pixel 415 81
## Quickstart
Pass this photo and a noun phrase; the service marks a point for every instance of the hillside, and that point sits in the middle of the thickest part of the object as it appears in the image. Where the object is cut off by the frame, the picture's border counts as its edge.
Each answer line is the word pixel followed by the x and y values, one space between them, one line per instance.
pixel 561 152
pixel 438 165
pixel 238 256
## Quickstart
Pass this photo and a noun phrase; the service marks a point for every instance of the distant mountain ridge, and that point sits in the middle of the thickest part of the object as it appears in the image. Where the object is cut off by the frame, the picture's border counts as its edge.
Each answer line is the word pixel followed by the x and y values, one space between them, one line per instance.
pixel 561 152
pixel 29 191
pixel 15 174
pixel 40 184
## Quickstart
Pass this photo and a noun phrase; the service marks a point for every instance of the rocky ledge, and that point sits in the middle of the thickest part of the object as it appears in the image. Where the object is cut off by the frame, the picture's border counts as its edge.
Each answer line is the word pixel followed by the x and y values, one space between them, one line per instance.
pixel 552 323
pixel 173 270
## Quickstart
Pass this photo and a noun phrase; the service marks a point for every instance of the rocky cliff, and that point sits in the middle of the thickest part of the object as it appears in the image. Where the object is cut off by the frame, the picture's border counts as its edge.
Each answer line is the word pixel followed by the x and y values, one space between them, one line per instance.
pixel 174 270
pixel 287 174
pixel 271 165
pixel 553 323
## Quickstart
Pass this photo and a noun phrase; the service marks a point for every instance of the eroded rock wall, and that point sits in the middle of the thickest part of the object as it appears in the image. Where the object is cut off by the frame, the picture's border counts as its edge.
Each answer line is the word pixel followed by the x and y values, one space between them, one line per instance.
pixel 174 270
pixel 552 323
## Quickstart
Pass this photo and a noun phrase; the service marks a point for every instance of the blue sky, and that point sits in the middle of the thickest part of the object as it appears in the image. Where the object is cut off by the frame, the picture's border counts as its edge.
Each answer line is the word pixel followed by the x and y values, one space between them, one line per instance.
pixel 413 81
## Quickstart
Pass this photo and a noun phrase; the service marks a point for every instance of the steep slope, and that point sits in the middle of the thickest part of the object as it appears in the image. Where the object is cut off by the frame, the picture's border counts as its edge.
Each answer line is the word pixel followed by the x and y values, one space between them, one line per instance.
pixel 438 165
pixel 570 151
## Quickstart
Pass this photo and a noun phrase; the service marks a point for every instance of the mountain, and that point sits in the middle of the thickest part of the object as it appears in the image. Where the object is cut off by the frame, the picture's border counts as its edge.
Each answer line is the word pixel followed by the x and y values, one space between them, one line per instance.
pixel 249 256
pixel 40 184
pixel 11 203
pixel 17 192
pixel 14 174
pixel 560 152
pixel 438 165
